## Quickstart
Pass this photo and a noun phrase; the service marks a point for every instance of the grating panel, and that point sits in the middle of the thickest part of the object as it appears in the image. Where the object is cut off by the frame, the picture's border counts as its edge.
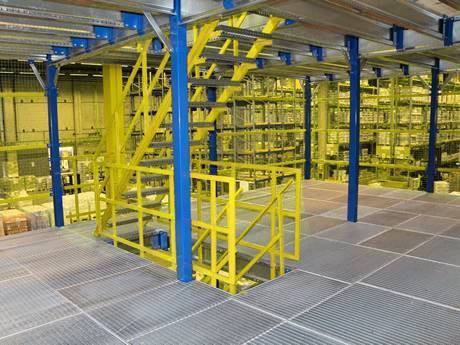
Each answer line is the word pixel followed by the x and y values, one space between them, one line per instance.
pixel 78 329
pixel 76 265
pixel 333 186
pixel 352 232
pixel 155 308
pixel 340 260
pixel 378 191
pixel 437 198
pixel 31 237
pixel 313 225
pixel 455 202
pixel 412 206
pixel 110 289
pixel 320 194
pixel 441 249
pixel 428 224
pixel 365 315
pixel 341 213
pixel 403 194
pixel 371 201
pixel 398 241
pixel 454 231
pixel 314 206
pixel 26 303
pixel 289 295
pixel 290 334
pixel 420 278
pixel 10 269
pixel 387 218
pixel 49 245
pixel 226 323
pixel 442 210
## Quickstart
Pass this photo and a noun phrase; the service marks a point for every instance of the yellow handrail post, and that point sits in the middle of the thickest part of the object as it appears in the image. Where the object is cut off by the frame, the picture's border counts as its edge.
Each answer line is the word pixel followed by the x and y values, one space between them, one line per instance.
pixel 114 213
pixel 231 222
pixel 273 212
pixel 281 236
pixel 298 207
pixel 213 234
pixel 140 215
pixel 97 194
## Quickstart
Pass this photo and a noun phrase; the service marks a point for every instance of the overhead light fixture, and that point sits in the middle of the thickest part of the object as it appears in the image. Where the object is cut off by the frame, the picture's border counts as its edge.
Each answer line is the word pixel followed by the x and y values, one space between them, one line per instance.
pixel 78 74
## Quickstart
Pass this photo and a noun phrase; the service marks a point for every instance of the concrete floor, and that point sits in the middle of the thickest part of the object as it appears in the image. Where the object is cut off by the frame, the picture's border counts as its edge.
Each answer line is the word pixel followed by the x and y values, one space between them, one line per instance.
pixel 391 278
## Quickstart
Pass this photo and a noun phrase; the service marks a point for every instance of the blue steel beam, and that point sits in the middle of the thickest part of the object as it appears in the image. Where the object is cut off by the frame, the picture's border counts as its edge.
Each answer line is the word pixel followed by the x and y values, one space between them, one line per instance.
pixel 212 97
pixel 431 167
pixel 447 29
pixel 57 189
pixel 307 125
pixel 352 44
pixel 181 144
pixel 397 36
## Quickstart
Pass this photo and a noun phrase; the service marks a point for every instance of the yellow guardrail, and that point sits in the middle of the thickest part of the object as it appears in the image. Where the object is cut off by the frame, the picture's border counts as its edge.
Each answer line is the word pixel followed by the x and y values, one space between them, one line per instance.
pixel 77 211
pixel 276 177
pixel 114 201
pixel 217 239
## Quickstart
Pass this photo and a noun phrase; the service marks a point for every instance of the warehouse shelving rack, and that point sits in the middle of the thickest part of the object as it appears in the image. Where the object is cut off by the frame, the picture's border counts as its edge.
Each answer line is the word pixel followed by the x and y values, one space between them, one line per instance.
pixel 394 131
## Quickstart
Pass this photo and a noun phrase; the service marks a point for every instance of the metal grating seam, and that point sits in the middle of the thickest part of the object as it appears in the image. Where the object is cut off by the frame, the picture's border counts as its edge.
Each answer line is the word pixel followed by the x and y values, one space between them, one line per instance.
pixel 365 315
pixel 291 293
pixel 235 322
pixel 152 309
pixel 78 329
pixel 118 287
pixel 431 281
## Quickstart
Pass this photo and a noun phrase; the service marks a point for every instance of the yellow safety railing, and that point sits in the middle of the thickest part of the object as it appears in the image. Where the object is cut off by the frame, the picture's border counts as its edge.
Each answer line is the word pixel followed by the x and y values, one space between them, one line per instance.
pixel 21 191
pixel 162 215
pixel 217 204
pixel 79 186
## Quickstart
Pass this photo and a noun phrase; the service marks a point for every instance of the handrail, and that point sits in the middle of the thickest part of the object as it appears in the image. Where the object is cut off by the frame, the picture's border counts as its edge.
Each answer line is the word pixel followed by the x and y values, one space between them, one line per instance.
pixel 224 259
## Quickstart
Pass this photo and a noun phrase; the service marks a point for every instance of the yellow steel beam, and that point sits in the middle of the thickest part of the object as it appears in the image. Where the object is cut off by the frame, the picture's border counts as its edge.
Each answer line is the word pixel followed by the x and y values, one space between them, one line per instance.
pixel 21 94
pixel 11 148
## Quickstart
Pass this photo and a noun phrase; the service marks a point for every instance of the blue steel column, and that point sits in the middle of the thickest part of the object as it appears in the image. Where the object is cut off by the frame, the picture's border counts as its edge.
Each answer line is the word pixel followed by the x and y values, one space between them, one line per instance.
pixel 181 144
pixel 57 189
pixel 212 97
pixel 353 169
pixel 307 124
pixel 431 168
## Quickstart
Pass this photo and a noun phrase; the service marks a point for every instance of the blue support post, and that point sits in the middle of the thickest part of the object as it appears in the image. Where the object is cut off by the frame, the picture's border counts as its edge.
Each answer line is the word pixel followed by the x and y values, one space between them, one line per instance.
pixel 57 189
pixel 181 144
pixel 431 167
pixel 212 97
pixel 307 125
pixel 353 168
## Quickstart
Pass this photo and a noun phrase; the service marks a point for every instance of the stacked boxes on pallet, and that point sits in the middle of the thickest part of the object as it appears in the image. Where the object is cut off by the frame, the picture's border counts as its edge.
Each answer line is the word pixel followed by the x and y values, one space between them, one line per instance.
pixel 13 222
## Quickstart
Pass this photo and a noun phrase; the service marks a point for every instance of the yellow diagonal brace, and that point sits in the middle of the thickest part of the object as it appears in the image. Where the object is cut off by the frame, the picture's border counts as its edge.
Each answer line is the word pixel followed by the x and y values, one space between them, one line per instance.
pixel 224 257
pixel 194 53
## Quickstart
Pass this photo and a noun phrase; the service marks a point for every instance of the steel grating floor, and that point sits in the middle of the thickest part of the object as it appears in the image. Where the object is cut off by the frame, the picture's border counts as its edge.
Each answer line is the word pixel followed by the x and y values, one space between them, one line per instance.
pixel 391 278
